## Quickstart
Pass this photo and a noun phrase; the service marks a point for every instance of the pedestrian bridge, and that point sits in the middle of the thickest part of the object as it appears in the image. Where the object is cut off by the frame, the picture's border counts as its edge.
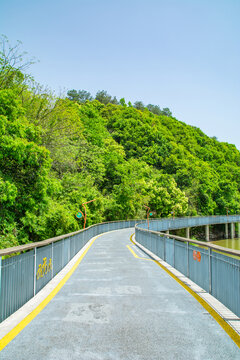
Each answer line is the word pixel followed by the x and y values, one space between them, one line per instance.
pixel 118 292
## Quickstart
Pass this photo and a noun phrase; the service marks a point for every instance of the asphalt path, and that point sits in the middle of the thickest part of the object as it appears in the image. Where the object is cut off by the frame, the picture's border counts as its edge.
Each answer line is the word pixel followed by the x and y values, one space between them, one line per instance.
pixel 117 306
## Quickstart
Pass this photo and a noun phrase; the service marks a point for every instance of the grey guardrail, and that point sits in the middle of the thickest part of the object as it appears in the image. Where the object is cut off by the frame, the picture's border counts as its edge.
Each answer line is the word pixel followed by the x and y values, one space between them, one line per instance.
pixel 105 226
pixel 33 265
pixel 213 268
pixel 184 222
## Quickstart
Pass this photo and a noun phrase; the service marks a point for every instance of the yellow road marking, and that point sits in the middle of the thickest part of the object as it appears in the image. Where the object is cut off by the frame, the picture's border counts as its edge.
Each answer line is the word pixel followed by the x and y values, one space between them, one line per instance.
pixel 226 327
pixel 129 248
pixel 135 255
pixel 19 327
pixel 132 239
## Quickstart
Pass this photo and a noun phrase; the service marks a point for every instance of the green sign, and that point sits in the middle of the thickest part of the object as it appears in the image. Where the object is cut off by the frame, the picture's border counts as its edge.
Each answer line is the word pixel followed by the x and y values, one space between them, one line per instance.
pixel 79 215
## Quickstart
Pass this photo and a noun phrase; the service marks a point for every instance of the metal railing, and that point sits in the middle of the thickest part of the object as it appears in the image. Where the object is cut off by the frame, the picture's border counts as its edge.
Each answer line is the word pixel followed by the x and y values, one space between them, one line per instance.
pixel 24 275
pixel 214 268
pixel 193 221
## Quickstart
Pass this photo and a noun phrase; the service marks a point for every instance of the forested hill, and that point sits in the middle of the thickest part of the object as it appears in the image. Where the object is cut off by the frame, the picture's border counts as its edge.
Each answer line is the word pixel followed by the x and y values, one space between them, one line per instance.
pixel 56 153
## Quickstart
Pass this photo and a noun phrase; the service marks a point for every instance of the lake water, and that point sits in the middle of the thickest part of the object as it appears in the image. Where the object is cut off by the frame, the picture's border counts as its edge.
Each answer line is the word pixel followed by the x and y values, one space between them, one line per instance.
pixel 228 243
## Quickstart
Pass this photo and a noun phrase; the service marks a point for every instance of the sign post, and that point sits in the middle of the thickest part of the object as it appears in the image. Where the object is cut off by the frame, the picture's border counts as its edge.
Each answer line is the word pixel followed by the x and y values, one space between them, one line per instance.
pixel 85 215
pixel 148 209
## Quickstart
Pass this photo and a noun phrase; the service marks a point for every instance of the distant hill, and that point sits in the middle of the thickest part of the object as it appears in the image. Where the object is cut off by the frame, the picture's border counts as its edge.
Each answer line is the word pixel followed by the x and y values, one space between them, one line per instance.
pixel 56 153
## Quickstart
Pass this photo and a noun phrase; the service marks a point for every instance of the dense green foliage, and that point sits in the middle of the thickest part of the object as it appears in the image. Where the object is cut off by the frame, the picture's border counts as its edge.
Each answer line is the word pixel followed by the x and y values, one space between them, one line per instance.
pixel 56 153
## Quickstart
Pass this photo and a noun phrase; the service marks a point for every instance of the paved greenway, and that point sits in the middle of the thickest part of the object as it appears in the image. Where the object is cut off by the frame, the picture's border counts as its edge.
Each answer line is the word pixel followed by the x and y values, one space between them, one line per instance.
pixel 116 306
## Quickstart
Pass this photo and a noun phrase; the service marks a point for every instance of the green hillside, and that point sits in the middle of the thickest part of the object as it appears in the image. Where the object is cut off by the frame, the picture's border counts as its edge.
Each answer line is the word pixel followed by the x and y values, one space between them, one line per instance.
pixel 56 153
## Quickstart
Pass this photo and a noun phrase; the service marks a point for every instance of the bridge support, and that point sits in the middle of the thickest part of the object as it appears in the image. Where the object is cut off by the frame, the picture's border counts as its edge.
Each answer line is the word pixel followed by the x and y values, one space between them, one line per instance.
pixel 188 233
pixel 232 230
pixel 207 232
pixel 226 231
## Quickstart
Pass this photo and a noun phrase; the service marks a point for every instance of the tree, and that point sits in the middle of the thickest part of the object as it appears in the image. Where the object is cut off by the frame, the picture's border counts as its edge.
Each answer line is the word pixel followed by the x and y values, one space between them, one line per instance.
pixel 12 64
pixel 166 112
pixel 24 164
pixel 139 105
pixel 114 101
pixel 103 97
pixel 155 109
pixel 58 118
pixel 123 102
pixel 165 196
pixel 80 96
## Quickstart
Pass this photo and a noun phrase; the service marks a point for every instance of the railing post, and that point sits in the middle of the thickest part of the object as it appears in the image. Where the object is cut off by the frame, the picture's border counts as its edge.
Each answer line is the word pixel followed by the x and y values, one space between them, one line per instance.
pixel 62 253
pixel 164 255
pixel 69 250
pixel 174 252
pixel 188 259
pixel 1 315
pixel 210 269
pixel 35 271
pixel 74 247
pixel 52 259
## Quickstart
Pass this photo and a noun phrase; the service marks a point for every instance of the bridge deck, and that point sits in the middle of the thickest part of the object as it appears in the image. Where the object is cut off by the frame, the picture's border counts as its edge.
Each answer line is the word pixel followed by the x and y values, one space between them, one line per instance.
pixel 116 306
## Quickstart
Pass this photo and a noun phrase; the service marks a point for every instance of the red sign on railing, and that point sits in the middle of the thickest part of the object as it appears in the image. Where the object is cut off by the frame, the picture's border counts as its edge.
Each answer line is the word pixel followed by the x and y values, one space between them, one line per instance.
pixel 197 255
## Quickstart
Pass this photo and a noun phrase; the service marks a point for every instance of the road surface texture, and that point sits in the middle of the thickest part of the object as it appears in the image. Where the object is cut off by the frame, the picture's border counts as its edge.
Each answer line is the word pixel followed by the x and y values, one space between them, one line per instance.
pixel 116 306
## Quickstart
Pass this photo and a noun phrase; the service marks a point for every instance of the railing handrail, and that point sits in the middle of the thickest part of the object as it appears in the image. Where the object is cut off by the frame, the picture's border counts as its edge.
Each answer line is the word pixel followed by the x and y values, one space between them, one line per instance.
pixel 30 246
pixel 201 243
pixel 227 218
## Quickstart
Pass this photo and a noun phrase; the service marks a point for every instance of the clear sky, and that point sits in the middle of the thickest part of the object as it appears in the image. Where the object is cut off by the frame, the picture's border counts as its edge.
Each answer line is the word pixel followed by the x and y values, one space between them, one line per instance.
pixel 181 54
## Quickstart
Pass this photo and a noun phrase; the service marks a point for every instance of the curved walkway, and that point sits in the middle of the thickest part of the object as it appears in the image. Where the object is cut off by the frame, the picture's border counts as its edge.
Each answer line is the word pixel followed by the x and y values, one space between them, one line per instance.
pixel 119 306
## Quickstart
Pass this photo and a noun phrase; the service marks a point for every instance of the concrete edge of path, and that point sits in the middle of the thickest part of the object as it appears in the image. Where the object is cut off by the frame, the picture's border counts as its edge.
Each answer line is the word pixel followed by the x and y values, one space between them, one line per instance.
pixel 232 320
pixel 16 322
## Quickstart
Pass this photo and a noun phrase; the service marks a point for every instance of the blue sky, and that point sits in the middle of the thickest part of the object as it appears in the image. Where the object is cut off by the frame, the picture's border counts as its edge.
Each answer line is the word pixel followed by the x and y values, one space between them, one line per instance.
pixel 181 54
